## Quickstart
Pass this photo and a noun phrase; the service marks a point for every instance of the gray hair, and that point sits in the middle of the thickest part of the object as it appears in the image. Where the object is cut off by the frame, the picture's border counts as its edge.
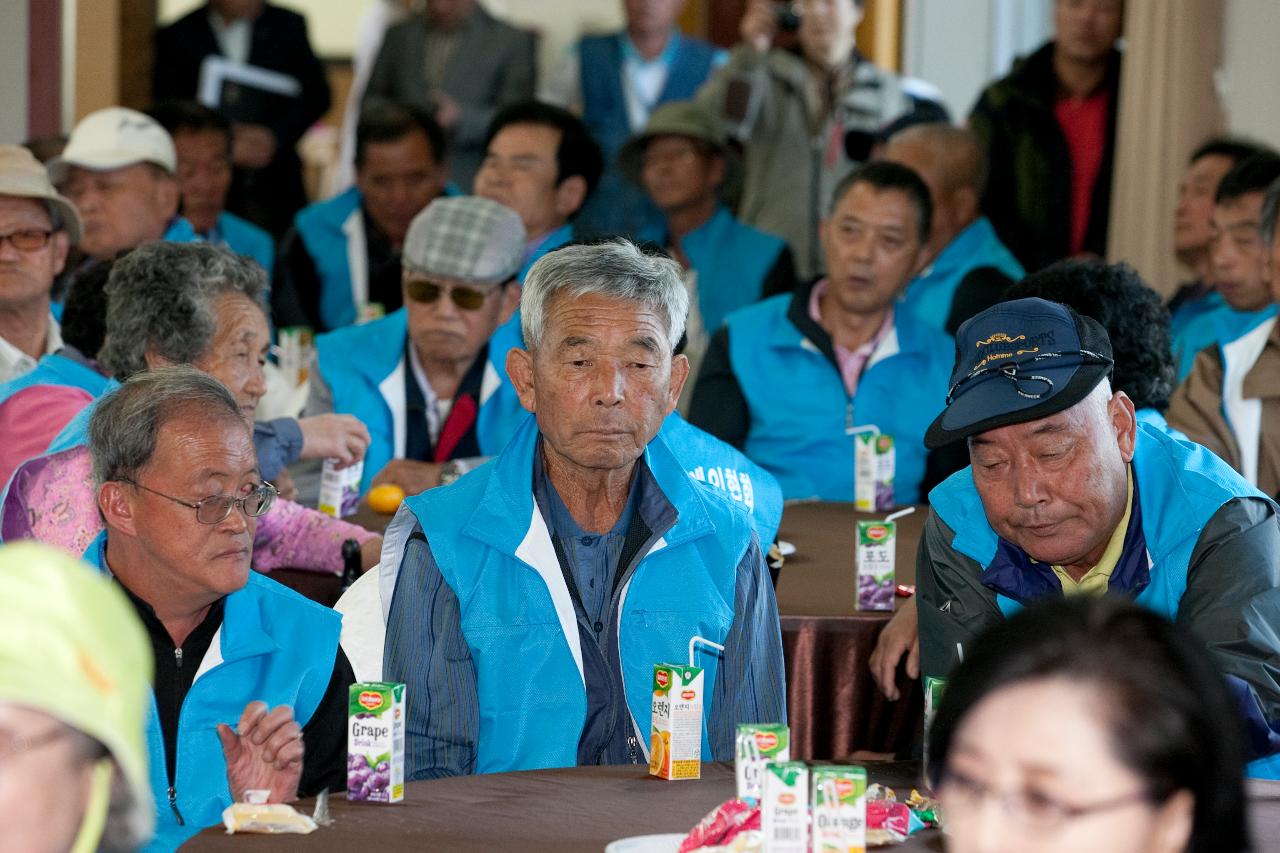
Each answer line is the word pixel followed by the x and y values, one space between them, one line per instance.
pixel 160 299
pixel 126 423
pixel 616 269
pixel 1270 213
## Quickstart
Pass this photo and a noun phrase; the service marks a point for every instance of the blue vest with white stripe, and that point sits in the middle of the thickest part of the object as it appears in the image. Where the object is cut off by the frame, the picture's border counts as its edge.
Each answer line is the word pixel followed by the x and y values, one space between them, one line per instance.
pixel 357 361
pixel 494 550
pixel 321 227
pixel 55 369
pixel 800 410
pixel 1179 484
pixel 274 646
pixel 245 238
pixel 930 294
pixel 731 259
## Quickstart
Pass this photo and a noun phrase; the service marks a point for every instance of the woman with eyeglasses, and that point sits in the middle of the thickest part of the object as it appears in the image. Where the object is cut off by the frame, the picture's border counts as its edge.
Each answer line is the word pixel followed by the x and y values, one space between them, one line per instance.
pixel 1088 724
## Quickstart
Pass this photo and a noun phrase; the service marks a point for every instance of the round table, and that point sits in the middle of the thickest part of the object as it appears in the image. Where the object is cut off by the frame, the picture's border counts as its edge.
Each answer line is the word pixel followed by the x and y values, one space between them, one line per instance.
pixel 557 811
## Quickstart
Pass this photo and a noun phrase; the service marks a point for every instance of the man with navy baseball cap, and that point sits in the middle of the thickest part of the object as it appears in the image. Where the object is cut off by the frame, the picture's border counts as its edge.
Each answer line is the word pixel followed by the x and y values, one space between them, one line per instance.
pixel 1067 494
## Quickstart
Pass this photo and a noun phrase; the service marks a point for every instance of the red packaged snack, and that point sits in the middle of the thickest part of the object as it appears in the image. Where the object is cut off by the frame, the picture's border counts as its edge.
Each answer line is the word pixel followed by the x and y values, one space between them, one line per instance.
pixel 887 821
pixel 721 825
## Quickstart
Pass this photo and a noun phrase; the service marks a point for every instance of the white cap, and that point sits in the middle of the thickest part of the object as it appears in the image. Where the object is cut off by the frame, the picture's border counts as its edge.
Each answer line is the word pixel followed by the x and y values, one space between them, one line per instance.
pixel 112 139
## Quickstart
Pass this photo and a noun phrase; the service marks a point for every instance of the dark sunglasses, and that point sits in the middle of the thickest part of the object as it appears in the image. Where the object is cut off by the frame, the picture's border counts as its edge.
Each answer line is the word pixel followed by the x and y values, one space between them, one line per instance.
pixel 466 298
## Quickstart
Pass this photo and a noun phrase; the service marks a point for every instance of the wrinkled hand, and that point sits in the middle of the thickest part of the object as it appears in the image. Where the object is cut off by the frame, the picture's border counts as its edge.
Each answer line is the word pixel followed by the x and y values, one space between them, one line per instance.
pixel 340 437
pixel 252 145
pixel 901 636
pixel 263 753
pixel 409 474
pixel 759 25
pixel 447 110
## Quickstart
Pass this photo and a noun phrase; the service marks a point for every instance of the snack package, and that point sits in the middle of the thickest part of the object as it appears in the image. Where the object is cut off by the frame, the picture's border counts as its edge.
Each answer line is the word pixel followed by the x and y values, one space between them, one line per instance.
pixel 876 557
pixel 784 807
pixel 874 460
pixel 675 737
pixel 375 742
pixel 275 819
pixel 722 826
pixel 839 809
pixel 340 490
pixel 757 744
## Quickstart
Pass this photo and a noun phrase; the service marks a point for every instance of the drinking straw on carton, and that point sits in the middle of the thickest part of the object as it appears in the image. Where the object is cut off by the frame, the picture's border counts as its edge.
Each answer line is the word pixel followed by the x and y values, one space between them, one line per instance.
pixel 701 641
pixel 894 516
pixel 855 430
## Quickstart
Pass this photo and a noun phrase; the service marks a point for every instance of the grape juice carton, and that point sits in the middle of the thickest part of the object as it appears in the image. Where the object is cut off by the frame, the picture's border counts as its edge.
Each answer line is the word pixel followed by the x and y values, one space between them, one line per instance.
pixel 757 745
pixel 340 489
pixel 675 736
pixel 375 742
pixel 839 809
pixel 874 460
pixel 876 556
pixel 784 807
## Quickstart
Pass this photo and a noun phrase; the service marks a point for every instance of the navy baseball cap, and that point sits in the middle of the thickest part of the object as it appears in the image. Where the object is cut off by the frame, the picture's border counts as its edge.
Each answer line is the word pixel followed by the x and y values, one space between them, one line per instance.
pixel 1020 361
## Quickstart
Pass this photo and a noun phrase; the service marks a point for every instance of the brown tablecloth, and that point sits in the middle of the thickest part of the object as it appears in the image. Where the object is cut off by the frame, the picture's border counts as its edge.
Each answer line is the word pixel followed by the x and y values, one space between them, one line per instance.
pixel 557 811
pixel 834 707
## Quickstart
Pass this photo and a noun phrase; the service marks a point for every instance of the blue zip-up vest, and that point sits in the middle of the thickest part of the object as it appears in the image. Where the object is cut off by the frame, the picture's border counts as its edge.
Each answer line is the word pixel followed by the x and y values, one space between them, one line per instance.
pixel 358 360
pixel 930 294
pixel 56 369
pixel 1191 310
pixel 275 646
pixel 1180 485
pixel 1215 328
pixel 180 231
pixel 731 259
pixel 321 227
pixel 800 410
pixel 245 238
pixel 494 550
pixel 617 205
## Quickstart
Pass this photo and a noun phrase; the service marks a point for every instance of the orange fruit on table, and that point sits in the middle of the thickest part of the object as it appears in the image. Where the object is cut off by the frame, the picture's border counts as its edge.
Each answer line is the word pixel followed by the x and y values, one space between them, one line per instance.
pixel 385 498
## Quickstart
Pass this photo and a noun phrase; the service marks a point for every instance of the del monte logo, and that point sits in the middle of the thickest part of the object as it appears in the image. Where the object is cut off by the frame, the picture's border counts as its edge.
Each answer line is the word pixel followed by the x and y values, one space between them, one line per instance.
pixel 877 532
pixel 766 741
pixel 663 678
pixel 370 699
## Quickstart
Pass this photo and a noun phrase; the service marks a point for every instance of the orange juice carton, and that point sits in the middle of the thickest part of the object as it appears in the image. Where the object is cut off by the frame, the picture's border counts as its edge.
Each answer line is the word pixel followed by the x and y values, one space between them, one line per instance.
pixel 874 460
pixel 784 807
pixel 675 738
pixel 839 809
pixel 375 742
pixel 758 744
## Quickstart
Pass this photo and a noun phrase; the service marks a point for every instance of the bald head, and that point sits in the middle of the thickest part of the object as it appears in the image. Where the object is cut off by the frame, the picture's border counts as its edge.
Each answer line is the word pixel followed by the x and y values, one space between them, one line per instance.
pixel 954 167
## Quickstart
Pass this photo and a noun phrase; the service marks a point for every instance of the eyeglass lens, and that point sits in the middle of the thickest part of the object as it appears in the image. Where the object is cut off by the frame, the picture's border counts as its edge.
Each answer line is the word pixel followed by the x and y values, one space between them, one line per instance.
pixel 466 298
pixel 27 241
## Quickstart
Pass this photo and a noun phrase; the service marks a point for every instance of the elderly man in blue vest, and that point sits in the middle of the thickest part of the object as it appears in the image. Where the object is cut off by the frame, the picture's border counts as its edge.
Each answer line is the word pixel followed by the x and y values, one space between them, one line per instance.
pixel 615 81
pixel 422 379
pixel 250 684
pixel 534 595
pixel 969 268
pixel 792 380
pixel 1068 494
pixel 340 264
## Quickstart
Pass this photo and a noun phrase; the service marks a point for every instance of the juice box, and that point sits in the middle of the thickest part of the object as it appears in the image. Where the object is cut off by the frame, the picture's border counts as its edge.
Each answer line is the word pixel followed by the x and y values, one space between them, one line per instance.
pixel 340 490
pixel 784 807
pixel 933 689
pixel 876 557
pixel 757 745
pixel 839 809
pixel 375 742
pixel 675 738
pixel 874 460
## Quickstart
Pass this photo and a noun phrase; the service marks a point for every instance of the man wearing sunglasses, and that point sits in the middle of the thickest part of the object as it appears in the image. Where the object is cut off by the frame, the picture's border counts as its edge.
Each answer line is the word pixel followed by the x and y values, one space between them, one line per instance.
pixel 1067 493
pixel 236 654
pixel 422 379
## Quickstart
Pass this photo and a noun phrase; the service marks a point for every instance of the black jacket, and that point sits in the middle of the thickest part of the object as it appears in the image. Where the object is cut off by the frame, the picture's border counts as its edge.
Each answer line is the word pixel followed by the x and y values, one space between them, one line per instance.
pixel 1028 195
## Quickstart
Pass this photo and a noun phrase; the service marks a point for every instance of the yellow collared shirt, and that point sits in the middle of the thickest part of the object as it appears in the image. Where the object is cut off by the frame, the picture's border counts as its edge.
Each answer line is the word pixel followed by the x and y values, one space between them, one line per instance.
pixel 1094 581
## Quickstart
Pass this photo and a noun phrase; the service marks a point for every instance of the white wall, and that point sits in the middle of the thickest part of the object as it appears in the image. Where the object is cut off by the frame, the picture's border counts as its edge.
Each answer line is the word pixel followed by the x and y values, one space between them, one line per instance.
pixel 961 45
pixel 1250 71
pixel 13 70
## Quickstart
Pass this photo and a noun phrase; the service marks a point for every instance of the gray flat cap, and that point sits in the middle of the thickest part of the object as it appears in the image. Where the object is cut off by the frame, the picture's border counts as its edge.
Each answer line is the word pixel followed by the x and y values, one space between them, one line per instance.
pixel 466 238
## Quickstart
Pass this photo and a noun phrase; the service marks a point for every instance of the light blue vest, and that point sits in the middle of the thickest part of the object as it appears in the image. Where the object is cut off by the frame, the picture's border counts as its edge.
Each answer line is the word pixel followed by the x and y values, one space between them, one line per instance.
pixel 245 238
pixel 732 261
pixel 930 294
pixel 1180 487
pixel 1217 327
pixel 274 646
pixel 320 227
pixel 800 410
pixel 55 369
pixel 1191 310
pixel 180 231
pixel 357 360
pixel 494 550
